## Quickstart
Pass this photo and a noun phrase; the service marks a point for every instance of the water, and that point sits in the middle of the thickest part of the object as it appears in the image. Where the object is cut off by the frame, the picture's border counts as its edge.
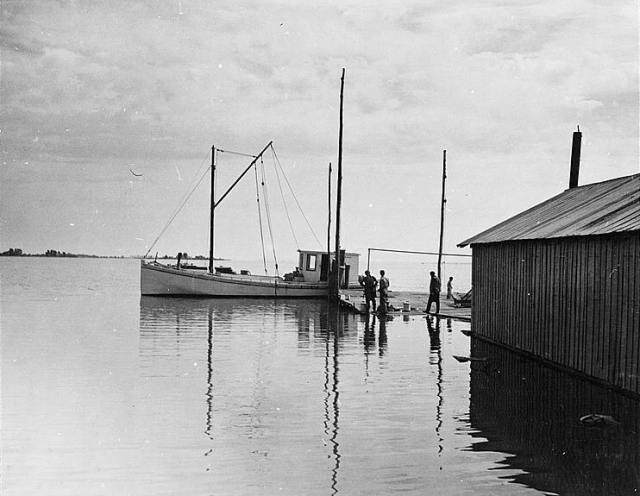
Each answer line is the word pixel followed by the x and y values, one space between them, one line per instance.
pixel 108 393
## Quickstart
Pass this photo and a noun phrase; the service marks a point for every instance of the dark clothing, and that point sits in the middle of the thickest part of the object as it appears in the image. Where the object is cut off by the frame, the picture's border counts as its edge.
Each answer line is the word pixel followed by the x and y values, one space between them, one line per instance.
pixel 449 290
pixel 369 282
pixel 433 298
pixel 434 286
pixel 434 294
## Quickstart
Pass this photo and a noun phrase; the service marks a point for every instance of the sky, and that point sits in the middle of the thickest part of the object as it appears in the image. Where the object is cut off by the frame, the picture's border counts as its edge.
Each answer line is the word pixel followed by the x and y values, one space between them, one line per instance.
pixel 109 110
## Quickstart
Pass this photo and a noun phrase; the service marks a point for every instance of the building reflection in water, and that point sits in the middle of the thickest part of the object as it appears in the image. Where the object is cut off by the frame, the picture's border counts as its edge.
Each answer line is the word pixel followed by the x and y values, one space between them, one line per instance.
pixel 531 412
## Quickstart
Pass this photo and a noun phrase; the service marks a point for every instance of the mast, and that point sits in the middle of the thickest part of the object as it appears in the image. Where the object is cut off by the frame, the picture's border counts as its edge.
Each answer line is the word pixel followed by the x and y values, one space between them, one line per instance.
pixel 336 278
pixel 213 207
pixel 442 209
pixel 329 227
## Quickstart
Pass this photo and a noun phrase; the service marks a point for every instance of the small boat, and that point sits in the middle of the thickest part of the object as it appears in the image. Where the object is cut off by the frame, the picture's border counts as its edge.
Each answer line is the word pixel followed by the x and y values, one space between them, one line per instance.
pixel 315 277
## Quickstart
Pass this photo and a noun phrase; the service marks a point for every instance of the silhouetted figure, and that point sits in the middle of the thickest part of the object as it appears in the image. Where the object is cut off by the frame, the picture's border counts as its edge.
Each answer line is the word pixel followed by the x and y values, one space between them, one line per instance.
pixel 450 288
pixel 384 293
pixel 369 283
pixel 434 293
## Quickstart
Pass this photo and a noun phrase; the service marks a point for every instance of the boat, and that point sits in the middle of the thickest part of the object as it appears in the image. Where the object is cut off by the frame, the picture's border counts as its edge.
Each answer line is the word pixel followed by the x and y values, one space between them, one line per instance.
pixel 309 280
pixel 315 276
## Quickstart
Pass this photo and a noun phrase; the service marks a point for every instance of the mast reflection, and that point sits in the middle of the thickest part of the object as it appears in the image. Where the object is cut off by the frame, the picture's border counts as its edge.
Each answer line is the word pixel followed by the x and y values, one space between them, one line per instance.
pixel 174 331
pixel 332 393
pixel 435 358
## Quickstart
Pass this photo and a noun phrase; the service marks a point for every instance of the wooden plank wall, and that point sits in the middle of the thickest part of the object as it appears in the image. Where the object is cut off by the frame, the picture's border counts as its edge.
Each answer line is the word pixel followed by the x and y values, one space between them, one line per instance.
pixel 573 301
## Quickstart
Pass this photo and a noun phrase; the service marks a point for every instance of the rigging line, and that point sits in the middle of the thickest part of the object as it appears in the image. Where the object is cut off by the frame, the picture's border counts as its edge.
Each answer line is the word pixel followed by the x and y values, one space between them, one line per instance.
pixel 176 213
pixel 286 210
pixel 185 197
pixel 264 257
pixel 268 213
pixel 295 198
pixel 237 153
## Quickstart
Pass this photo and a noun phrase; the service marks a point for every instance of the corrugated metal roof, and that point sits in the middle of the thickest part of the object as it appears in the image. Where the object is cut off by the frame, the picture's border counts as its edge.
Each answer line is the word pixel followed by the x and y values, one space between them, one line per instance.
pixel 600 208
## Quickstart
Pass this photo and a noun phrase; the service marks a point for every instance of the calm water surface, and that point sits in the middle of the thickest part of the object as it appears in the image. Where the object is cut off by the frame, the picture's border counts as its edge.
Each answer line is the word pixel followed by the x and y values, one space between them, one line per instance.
pixel 108 393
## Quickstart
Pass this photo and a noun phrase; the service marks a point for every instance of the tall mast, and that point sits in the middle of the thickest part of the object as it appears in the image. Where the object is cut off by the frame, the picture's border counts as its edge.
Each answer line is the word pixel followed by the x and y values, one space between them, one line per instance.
pixel 213 208
pixel 336 289
pixel 329 226
pixel 442 209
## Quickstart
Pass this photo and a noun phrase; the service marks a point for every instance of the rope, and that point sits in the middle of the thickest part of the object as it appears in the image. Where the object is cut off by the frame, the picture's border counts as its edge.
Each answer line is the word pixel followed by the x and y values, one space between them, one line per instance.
pixel 268 212
pixel 279 165
pixel 286 210
pixel 264 258
pixel 236 153
pixel 185 198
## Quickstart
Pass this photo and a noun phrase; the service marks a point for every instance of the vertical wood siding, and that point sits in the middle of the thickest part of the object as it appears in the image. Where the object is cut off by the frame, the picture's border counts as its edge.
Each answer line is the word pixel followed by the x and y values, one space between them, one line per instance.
pixel 573 301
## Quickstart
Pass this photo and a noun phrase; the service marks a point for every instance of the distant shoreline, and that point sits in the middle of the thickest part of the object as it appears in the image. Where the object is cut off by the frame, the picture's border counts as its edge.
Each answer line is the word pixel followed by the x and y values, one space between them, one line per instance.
pixel 82 255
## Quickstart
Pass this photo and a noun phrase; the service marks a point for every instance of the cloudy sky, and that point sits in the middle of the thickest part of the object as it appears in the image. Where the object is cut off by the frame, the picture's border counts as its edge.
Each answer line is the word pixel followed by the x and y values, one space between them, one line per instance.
pixel 95 91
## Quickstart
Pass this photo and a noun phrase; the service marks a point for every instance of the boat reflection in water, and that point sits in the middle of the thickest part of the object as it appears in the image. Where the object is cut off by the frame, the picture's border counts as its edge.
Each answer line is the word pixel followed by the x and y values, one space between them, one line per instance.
pixel 243 343
pixel 293 397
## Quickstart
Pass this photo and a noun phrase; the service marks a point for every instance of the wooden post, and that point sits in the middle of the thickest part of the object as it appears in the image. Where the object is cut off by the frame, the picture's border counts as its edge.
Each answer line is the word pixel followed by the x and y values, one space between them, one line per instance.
pixel 442 210
pixel 336 289
pixel 213 202
pixel 329 231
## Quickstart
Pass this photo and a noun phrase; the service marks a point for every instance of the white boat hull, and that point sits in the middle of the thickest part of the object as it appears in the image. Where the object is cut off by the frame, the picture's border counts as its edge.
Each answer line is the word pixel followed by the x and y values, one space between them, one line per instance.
pixel 158 280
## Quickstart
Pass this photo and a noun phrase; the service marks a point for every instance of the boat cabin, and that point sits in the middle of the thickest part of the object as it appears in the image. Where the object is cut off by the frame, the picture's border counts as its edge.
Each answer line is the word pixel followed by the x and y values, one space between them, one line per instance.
pixel 313 266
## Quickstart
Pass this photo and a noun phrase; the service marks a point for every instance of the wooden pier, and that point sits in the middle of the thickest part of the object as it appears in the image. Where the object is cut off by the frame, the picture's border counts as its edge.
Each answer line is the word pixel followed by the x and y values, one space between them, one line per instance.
pixel 406 303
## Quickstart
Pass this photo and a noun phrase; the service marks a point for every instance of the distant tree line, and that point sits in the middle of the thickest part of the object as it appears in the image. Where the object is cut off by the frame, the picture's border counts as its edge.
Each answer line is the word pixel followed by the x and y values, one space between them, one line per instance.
pixel 17 252
pixel 55 253
pixel 186 256
pixel 12 252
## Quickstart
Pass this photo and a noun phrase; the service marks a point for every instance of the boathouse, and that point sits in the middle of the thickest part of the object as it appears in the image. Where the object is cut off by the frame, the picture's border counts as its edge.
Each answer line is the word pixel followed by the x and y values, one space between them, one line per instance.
pixel 561 281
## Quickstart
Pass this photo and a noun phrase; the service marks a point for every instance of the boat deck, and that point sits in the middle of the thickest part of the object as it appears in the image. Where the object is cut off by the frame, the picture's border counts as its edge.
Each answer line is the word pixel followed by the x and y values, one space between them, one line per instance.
pixel 417 301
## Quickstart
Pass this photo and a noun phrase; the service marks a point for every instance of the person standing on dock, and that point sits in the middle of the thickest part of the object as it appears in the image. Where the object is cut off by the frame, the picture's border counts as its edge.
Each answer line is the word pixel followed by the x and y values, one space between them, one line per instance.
pixel 450 288
pixel 434 293
pixel 369 283
pixel 384 296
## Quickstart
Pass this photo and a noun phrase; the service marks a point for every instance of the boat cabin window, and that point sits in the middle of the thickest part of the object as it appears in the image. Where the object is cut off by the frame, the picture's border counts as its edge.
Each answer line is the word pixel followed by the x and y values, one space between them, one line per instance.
pixel 312 260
